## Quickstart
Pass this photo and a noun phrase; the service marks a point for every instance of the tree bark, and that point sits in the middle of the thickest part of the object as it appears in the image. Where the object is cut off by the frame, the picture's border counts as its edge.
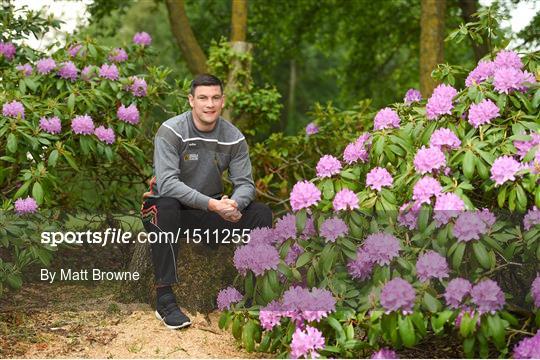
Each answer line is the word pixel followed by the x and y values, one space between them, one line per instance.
pixel 239 70
pixel 431 42
pixel 468 8
pixel 185 39
pixel 239 20
pixel 292 92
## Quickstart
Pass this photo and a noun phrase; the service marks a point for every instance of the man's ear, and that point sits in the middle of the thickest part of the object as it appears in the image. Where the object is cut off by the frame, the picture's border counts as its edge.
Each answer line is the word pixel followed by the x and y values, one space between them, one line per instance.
pixel 190 98
pixel 223 102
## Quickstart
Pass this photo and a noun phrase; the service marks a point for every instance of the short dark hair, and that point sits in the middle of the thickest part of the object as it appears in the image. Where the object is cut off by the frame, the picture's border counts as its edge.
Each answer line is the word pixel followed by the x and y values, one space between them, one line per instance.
pixel 205 80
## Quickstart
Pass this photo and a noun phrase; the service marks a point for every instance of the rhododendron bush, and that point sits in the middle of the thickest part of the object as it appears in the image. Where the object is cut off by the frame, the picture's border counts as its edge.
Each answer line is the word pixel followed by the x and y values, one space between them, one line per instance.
pixel 70 133
pixel 416 229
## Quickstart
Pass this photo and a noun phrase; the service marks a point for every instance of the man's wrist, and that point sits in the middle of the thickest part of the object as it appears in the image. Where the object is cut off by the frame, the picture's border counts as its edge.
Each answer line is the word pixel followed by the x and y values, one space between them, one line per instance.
pixel 212 203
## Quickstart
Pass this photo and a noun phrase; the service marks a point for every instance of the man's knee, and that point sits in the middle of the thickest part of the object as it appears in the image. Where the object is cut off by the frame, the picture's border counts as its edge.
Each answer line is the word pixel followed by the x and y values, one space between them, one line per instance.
pixel 262 214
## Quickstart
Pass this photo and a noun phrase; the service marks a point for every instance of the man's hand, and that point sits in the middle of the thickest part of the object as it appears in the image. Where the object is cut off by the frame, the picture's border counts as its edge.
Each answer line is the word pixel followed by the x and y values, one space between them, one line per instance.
pixel 226 208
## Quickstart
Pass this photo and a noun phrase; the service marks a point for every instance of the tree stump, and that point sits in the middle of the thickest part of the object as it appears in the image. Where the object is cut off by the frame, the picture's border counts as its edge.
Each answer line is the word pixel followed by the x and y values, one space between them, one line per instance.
pixel 202 272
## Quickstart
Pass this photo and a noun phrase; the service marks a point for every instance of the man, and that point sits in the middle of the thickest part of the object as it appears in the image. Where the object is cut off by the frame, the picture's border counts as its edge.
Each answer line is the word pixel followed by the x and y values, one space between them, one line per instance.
pixel 191 151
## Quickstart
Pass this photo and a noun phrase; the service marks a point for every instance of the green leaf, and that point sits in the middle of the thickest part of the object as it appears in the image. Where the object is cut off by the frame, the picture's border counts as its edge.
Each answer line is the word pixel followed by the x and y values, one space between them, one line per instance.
pixel 406 331
pixel 53 158
pixel 467 325
pixel 22 86
pixel 31 84
pixel 521 198
pixel 37 193
pixel 223 319
pixel 439 320
pixel 457 257
pixel 249 286
pixel 301 218
pixel 536 99
pixel 237 328
pixel 481 254
pixel 468 347
pixel 248 335
pixel 468 165
pixel 496 329
pixel 12 143
pixel 328 189
pixel 71 161
pixel 501 197
pixel 423 218
pixel 336 325
pixel 23 189
pixel 71 102
pixel 14 281
pixel 431 303
pixel 303 259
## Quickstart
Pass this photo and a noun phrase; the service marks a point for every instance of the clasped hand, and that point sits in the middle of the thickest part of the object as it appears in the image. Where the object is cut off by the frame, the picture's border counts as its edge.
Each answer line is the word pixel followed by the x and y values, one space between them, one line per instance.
pixel 226 208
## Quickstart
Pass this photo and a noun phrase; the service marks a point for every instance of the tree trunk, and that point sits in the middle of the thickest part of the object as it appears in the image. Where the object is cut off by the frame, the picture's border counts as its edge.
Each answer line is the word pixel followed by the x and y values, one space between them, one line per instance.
pixel 239 70
pixel 291 104
pixel 203 270
pixel 239 20
pixel 185 39
pixel 431 42
pixel 468 8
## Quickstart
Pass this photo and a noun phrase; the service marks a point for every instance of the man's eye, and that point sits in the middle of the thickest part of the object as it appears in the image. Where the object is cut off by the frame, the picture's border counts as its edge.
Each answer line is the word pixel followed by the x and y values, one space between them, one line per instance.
pixel 217 97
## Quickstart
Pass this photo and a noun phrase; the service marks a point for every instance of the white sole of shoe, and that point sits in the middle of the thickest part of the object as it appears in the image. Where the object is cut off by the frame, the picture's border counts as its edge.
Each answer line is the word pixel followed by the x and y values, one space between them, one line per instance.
pixel 183 325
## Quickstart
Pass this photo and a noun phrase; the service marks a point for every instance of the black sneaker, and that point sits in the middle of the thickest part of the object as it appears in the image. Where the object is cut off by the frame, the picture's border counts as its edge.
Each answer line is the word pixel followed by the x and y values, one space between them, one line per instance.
pixel 168 312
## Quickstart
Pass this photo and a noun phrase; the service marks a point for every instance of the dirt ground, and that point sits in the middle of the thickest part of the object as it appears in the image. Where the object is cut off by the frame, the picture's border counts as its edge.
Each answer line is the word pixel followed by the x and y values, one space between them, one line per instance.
pixel 81 321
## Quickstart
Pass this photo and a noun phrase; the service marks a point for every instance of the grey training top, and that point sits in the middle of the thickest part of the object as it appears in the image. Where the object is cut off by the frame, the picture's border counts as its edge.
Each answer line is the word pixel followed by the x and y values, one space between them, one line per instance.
pixel 188 163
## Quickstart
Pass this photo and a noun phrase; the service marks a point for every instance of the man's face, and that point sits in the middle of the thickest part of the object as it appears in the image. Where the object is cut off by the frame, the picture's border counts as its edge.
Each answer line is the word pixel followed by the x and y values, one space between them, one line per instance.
pixel 207 103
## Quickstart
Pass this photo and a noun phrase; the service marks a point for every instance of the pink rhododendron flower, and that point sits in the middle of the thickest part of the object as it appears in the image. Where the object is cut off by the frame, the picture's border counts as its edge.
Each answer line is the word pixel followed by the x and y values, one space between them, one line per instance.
pixel 483 113
pixel 345 199
pixel 26 206
pixel 504 169
pixel 412 96
pixel 378 178
pixel 482 72
pixel 82 125
pixel 227 297
pixel 431 265
pixel 508 59
pixel 312 128
pixel 13 109
pixel 386 119
pixel 488 296
pixel 440 102
pixel 118 55
pixel 306 343
pixel 444 139
pixel 425 188
pixel 397 295
pixel 333 228
pixel 128 114
pixel 52 125
pixel 328 166
pixel 361 267
pixel 105 134
pixel 447 206
pixel 429 159
pixel 68 70
pixel 45 66
pixel 110 72
pixel 456 290
pixel 7 50
pixel 26 69
pixel 303 195
pixel 142 38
